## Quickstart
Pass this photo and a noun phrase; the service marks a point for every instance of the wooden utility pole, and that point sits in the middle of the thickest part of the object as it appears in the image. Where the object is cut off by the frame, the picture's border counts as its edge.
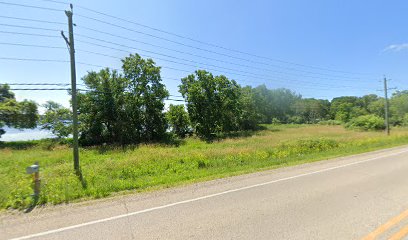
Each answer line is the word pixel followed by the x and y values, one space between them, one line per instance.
pixel 70 43
pixel 387 117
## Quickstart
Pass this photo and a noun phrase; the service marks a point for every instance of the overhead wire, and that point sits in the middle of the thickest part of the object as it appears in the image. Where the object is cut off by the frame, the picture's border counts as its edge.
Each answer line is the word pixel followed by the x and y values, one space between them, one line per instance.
pixel 203 42
pixel 53 60
pixel 32 20
pixel 31 6
pixel 182 59
pixel 30 34
pixel 169 33
pixel 197 48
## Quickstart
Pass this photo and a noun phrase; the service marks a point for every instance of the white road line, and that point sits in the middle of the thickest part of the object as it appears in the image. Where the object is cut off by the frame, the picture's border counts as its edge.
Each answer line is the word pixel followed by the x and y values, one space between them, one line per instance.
pixel 200 198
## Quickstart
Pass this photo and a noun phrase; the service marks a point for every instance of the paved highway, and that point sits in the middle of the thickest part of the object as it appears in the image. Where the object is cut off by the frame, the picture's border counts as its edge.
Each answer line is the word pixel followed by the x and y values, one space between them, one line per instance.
pixel 359 197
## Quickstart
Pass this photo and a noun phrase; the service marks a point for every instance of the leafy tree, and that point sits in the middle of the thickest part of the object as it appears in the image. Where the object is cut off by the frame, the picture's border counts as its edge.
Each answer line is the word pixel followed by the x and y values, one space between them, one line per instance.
pixel 274 103
pixel 102 113
pixel 312 110
pixel 57 119
pixel 405 120
pixel 178 120
pixel 124 108
pixel 398 107
pixel 16 114
pixel 212 103
pixel 145 97
pixel 345 108
pixel 249 117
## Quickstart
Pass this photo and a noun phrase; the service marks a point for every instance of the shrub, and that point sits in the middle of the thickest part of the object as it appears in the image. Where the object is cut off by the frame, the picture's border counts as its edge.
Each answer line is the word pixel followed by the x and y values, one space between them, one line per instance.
pixel 405 120
pixel 366 123
pixel 296 120
pixel 276 121
pixel 330 122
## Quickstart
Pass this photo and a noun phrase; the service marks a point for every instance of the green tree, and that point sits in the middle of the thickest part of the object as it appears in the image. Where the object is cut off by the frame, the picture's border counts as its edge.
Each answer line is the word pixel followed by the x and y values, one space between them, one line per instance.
pixel 345 108
pixel 178 120
pixel 145 97
pixel 57 119
pixel 398 107
pixel 275 103
pixel 21 115
pixel 126 108
pixel 212 103
pixel 249 116
pixel 312 110
pixel 102 113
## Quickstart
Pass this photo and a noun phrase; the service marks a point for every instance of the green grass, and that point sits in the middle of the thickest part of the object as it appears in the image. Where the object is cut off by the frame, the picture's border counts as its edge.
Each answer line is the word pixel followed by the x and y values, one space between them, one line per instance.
pixel 107 171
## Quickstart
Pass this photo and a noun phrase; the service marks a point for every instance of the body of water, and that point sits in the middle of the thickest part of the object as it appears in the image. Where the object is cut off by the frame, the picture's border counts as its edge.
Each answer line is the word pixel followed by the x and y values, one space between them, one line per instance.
pixel 13 134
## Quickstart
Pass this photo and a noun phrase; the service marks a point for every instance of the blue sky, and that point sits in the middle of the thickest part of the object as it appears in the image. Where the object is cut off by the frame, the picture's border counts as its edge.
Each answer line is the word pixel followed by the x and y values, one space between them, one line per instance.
pixel 317 48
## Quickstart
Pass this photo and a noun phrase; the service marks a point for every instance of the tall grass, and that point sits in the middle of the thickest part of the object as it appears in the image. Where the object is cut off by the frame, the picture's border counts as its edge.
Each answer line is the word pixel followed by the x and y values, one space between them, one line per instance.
pixel 140 168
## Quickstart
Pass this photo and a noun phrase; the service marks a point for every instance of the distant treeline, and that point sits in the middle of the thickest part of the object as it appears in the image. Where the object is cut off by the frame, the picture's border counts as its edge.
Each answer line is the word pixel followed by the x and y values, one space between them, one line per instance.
pixel 128 107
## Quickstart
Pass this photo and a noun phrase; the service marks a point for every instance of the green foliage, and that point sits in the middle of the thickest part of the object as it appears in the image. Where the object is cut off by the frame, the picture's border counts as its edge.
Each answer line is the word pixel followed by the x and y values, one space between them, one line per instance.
pixel 178 120
pixel 330 122
pixel 213 103
pixel 57 119
pixel 398 107
pixel 16 114
pixel 367 122
pixel 405 120
pixel 150 167
pixel 123 109
pixel 312 110
pixel 274 103
pixel 249 117
pixel 144 99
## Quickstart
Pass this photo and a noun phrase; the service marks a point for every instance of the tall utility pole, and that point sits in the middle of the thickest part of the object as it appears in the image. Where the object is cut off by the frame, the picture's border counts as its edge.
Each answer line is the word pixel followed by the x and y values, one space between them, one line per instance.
pixel 387 117
pixel 70 43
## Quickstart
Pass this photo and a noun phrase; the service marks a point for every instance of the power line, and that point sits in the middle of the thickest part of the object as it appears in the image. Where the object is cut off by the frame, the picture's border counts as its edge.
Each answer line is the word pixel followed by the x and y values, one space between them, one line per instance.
pixel 32 20
pixel 31 45
pixel 30 6
pixel 214 59
pixel 33 59
pixel 189 38
pixel 176 42
pixel 234 73
pixel 39 89
pixel 28 27
pixel 104 46
pixel 205 43
pixel 183 59
pixel 188 71
pixel 30 34
pixel 36 84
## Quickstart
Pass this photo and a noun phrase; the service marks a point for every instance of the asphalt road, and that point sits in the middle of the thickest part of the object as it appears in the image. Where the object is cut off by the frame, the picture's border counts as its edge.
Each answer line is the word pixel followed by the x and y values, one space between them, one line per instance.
pixel 359 197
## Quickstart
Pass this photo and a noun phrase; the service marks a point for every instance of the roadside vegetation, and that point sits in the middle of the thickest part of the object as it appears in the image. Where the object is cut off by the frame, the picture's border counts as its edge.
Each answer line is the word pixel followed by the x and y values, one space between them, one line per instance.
pixel 108 170
pixel 130 141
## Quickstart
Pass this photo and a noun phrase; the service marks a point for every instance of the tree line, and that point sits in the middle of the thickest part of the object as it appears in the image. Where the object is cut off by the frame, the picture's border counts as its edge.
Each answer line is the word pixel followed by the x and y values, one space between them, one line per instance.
pixel 128 107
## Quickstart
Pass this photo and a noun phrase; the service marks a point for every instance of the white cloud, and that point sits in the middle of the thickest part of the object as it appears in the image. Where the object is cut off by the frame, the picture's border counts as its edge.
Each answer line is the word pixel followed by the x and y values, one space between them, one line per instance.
pixel 396 47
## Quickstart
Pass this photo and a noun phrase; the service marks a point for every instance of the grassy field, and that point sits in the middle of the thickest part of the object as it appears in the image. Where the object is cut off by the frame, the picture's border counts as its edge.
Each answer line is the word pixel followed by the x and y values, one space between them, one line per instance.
pixel 146 167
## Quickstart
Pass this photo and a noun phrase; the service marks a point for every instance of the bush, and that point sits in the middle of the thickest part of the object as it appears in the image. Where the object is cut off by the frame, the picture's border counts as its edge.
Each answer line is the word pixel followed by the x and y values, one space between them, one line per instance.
pixel 366 123
pixel 405 120
pixel 296 120
pixel 276 121
pixel 330 122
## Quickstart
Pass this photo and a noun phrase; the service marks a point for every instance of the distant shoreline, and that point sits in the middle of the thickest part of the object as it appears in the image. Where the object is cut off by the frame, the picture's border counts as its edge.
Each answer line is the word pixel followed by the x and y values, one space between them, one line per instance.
pixel 13 134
